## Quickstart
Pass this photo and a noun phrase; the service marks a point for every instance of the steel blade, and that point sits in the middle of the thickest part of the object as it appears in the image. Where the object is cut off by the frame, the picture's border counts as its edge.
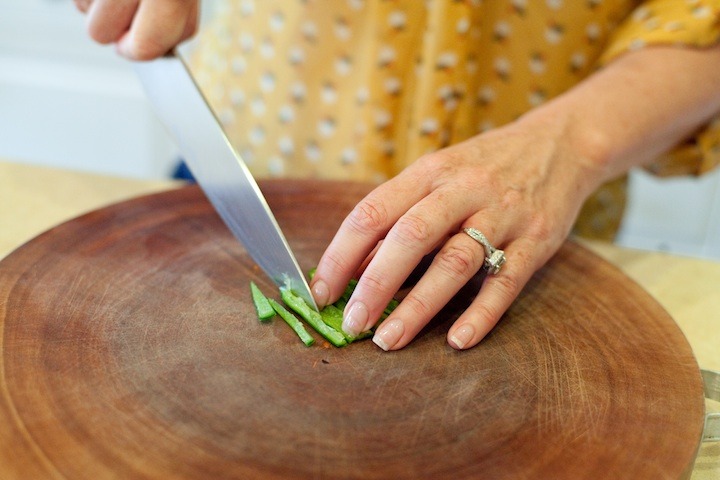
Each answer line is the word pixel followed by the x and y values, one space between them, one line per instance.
pixel 219 169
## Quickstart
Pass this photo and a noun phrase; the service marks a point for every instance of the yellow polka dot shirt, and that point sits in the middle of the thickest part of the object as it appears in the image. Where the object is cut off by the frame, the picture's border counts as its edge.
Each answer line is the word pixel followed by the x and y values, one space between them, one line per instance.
pixel 359 89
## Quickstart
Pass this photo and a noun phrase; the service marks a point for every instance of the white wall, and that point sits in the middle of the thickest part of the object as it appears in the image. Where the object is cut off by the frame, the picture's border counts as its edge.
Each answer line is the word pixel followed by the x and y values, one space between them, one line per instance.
pixel 65 101
pixel 679 215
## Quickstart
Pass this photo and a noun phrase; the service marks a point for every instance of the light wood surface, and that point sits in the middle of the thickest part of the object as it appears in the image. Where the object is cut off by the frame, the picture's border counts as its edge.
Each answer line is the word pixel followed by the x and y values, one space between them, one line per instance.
pixel 34 199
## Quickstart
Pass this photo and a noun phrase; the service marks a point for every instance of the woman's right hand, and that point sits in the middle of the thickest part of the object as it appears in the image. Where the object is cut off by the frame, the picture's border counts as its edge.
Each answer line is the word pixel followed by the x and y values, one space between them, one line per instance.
pixel 140 29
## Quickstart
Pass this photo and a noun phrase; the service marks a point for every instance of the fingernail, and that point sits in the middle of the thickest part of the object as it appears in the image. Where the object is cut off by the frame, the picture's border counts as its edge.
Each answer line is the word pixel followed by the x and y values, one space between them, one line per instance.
pixel 321 293
pixel 463 336
pixel 355 319
pixel 388 334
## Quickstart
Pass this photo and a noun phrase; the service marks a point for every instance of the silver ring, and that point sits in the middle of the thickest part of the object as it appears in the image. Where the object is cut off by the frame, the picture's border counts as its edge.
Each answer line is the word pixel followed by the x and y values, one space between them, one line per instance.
pixel 494 258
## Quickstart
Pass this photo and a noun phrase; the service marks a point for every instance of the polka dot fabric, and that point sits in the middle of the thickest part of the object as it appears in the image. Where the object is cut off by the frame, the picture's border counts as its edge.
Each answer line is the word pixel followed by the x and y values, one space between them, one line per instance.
pixel 359 89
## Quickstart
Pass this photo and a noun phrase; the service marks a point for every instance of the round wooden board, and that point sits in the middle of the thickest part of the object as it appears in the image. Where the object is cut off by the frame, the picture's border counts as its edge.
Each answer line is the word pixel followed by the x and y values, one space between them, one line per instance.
pixel 130 349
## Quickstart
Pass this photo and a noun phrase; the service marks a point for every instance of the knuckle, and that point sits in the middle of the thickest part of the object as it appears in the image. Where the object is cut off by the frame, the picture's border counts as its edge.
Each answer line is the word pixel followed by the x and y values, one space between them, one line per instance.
pixel 411 230
pixel 368 215
pixel 459 260
pixel 419 304
pixel 486 315
pixel 507 285
pixel 373 285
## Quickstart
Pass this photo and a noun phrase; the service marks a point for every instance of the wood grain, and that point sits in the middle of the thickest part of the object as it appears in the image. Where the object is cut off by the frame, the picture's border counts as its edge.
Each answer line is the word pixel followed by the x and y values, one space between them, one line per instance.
pixel 130 350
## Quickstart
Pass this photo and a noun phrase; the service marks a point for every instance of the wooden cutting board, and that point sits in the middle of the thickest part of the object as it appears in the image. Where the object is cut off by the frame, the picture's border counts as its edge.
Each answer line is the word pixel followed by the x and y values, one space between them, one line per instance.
pixel 130 349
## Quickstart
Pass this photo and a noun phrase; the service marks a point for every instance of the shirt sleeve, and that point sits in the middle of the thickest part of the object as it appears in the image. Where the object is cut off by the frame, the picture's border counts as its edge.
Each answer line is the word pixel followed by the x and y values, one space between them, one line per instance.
pixel 686 23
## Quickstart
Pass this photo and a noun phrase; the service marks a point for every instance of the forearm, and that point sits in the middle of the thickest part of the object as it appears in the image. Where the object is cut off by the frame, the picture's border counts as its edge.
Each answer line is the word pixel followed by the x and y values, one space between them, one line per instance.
pixel 636 108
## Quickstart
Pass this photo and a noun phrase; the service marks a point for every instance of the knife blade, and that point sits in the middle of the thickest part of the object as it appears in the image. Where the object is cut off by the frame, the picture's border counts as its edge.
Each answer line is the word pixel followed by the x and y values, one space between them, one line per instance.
pixel 219 169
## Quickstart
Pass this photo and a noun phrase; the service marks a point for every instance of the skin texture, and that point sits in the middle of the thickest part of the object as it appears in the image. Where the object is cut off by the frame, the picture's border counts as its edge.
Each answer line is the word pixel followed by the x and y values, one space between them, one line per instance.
pixel 522 185
pixel 140 29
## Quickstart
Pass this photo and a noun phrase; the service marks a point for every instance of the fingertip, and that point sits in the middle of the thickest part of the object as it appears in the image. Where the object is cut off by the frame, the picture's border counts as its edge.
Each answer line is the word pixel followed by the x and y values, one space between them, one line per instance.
pixel 321 293
pixel 462 337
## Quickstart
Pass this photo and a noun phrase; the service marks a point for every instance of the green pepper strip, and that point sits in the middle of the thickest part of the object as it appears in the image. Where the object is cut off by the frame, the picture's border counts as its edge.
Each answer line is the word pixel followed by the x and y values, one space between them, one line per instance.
pixel 293 321
pixel 313 318
pixel 264 310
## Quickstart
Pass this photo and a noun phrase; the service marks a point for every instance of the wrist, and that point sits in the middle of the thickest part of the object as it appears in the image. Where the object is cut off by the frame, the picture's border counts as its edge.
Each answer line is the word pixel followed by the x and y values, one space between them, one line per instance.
pixel 581 149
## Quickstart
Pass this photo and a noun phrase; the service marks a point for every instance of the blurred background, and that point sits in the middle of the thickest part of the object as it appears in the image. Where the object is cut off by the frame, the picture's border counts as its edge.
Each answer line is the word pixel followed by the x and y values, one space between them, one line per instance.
pixel 67 102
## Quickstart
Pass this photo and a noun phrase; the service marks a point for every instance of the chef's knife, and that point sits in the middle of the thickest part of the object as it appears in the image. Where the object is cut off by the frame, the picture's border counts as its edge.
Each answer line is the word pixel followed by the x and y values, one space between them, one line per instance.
pixel 219 169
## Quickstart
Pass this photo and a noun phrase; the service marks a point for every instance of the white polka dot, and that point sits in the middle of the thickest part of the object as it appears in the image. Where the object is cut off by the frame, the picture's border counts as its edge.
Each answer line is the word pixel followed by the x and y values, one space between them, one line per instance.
pixel 237 98
pixel 578 60
pixel 239 65
pixel 227 116
pixel 257 106
pixel 247 42
pixel 247 7
pixel 286 145
pixel 277 21
pixel 486 94
pixel 349 155
pixel 296 55
pixel 429 126
pixel 267 49
pixel 502 30
pixel 312 152
pixel 343 65
pixel 537 64
pixel 356 4
pixel 276 166
pixel 397 19
pixel 636 44
pixel 298 91
pixel 486 125
pixel 386 55
pixel 502 66
pixel 342 30
pixel 257 135
pixel 641 14
pixel 519 5
pixel 673 26
pixel 267 82
pixel 392 85
pixel 286 114
pixel 553 34
pixel 462 26
pixel 248 155
pixel 387 147
pixel 554 4
pixel 592 31
pixel 701 11
pixel 362 95
pixel 536 98
pixel 309 30
pixel 326 127
pixel 447 60
pixel 360 129
pixel 328 94
pixel 383 118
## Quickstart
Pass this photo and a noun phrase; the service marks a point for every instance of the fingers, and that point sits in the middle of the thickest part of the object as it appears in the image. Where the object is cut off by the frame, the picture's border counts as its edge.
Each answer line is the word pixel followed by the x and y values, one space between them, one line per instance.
pixel 108 20
pixel 359 236
pixel 495 297
pixel 413 236
pixel 141 29
pixel 452 267
pixel 157 27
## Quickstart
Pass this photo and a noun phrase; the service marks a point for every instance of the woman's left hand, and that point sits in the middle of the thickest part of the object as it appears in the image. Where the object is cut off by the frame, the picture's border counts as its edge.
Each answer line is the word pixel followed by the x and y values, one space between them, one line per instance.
pixel 521 186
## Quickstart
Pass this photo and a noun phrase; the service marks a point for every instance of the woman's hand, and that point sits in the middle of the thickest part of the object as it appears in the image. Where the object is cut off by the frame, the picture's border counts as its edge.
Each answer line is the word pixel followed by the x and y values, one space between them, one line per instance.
pixel 140 29
pixel 521 185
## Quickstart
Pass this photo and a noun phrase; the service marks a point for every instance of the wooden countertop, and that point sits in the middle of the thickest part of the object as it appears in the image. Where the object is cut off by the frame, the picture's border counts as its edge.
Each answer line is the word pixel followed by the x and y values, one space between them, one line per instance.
pixel 34 199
